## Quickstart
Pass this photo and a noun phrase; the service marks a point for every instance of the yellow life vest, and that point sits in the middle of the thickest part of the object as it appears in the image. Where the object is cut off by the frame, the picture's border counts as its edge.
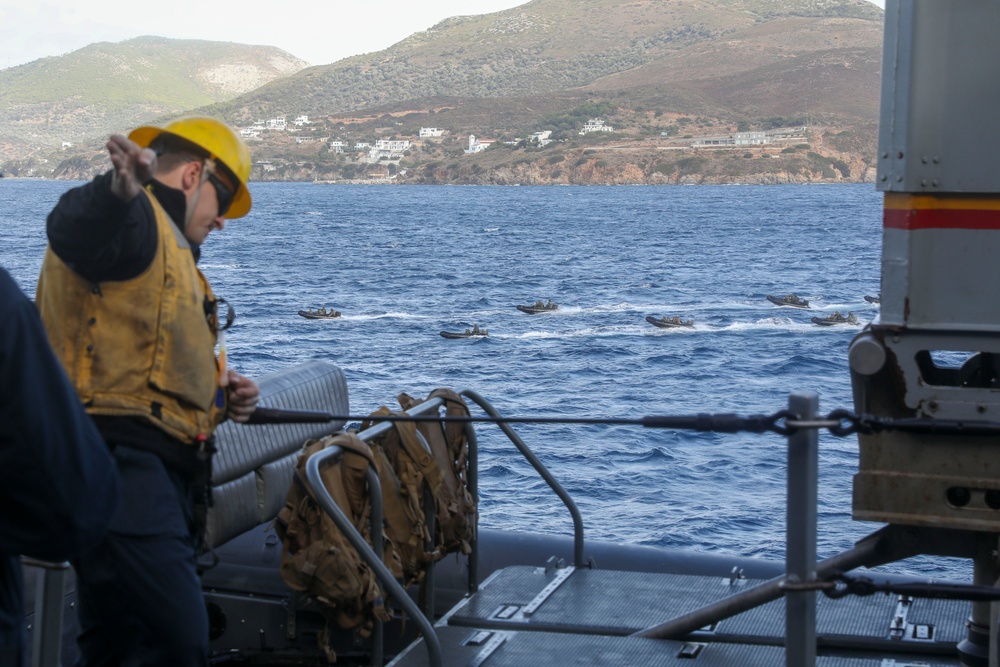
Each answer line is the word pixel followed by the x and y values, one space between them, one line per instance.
pixel 142 347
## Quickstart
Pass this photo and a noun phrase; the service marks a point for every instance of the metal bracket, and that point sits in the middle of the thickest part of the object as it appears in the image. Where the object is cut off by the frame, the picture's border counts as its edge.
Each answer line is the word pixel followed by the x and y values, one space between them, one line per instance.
pixel 488 649
pixel 561 576
pixel 897 627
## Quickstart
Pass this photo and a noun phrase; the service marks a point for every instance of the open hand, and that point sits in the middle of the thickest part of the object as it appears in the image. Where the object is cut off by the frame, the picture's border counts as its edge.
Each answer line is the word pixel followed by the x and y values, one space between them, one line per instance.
pixel 132 164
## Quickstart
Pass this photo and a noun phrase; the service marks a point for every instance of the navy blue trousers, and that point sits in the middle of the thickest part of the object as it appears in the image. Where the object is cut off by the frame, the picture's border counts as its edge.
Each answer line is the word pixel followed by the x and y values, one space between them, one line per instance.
pixel 139 594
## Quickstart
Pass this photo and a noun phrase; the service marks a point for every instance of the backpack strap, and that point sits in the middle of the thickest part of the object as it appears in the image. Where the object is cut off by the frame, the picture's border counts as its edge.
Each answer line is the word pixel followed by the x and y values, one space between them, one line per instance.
pixel 454 431
pixel 423 458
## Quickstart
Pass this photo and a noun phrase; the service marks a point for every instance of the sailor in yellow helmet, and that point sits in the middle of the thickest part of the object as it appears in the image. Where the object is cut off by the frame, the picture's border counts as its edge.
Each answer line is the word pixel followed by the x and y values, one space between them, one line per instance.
pixel 135 324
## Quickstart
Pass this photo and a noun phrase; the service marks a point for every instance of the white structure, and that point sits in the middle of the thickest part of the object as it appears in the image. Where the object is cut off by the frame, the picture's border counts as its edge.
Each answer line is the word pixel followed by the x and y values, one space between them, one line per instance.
pixel 736 139
pixel 755 138
pixel 362 146
pixel 430 132
pixel 277 123
pixel 478 145
pixel 392 145
pixel 392 149
pixel 250 132
pixel 541 138
pixel 750 138
pixel 300 121
pixel 596 125
pixel 338 146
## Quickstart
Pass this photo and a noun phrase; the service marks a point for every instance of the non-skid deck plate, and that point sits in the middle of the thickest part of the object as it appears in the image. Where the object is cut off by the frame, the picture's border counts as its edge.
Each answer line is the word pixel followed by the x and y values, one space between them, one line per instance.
pixel 467 647
pixel 609 602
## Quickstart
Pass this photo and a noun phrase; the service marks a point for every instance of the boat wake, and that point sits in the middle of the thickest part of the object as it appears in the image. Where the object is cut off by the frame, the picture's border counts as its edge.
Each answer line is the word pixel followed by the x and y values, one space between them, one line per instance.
pixel 388 315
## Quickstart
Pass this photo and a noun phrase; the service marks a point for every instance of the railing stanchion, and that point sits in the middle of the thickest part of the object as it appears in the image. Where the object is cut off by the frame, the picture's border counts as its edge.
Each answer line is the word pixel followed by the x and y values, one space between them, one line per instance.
pixel 800 549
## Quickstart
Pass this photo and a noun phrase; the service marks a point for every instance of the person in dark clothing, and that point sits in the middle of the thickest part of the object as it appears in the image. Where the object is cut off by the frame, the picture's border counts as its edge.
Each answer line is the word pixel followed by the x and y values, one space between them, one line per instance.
pixel 137 324
pixel 58 485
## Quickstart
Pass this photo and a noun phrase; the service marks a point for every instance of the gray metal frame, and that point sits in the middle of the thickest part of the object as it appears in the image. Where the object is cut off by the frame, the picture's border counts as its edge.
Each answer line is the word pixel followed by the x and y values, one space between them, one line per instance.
pixel 937 128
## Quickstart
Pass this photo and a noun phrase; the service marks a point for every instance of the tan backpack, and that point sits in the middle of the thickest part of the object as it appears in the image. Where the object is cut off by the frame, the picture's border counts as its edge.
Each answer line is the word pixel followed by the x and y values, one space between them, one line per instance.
pixel 456 508
pixel 403 465
pixel 316 557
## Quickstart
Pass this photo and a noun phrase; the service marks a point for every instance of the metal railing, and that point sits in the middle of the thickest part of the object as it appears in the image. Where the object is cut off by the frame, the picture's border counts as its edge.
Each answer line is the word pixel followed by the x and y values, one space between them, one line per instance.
pixel 801 568
pixel 373 557
pixel 578 559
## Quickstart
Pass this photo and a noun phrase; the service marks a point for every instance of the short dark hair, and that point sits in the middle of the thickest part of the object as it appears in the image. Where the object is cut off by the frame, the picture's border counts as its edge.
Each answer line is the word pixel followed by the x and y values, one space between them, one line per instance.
pixel 172 150
pixel 166 143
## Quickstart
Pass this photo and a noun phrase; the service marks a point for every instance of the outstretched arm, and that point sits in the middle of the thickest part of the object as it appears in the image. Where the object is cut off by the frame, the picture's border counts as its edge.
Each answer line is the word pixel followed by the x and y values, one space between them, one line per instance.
pixel 101 229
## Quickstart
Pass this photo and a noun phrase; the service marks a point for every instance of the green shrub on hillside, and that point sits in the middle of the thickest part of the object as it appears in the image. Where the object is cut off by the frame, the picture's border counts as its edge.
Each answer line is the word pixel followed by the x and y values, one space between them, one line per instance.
pixel 575 118
pixel 772 122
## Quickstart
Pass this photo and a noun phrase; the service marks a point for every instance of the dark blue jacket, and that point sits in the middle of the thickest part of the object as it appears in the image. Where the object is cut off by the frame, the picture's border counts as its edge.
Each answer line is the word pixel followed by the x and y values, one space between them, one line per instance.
pixel 58 484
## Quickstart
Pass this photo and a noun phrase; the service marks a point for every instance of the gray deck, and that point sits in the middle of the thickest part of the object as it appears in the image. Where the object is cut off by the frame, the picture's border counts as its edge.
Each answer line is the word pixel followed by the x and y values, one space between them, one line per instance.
pixel 526 615
pixel 466 647
pixel 582 604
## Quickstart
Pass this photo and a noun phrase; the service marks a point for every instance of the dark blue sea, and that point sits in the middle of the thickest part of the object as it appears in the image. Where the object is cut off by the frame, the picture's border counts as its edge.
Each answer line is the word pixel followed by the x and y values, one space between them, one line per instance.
pixel 403 263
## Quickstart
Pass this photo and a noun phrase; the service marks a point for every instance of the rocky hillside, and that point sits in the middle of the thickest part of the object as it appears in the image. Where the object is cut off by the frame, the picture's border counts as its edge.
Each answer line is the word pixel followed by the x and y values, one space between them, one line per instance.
pixel 663 73
pixel 548 46
pixel 105 88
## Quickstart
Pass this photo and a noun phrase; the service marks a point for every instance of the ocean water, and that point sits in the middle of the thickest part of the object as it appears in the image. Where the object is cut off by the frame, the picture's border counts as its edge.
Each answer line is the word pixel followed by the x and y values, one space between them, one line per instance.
pixel 403 263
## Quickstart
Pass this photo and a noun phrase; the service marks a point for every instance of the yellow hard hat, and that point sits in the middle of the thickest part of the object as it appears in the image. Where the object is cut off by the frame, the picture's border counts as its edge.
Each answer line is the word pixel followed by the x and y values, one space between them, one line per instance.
pixel 219 141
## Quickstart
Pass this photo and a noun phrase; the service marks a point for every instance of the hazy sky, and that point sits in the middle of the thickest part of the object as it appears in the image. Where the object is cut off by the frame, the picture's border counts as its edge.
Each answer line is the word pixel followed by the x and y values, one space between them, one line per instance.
pixel 318 31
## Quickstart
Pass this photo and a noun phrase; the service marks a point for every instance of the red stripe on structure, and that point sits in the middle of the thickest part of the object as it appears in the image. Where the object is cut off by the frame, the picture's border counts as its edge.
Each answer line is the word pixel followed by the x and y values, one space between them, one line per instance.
pixel 940 218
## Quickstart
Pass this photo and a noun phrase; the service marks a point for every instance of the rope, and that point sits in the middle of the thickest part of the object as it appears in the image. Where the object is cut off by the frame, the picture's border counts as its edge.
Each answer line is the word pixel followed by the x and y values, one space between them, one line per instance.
pixel 784 422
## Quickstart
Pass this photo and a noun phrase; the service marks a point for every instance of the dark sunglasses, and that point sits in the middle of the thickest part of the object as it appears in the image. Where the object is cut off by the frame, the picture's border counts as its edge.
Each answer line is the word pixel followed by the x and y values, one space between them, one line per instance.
pixel 223 193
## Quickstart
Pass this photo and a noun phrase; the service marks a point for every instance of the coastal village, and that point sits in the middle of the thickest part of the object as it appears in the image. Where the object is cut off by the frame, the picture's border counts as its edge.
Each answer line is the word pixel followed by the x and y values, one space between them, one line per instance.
pixel 383 159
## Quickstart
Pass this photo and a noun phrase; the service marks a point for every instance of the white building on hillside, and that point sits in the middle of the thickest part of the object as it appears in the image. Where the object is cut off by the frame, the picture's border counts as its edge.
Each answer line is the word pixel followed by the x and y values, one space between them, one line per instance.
pixel 541 138
pixel 751 138
pixel 300 121
pixel 735 139
pixel 277 123
pixel 430 132
pixel 478 145
pixel 392 149
pixel 392 145
pixel 596 125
